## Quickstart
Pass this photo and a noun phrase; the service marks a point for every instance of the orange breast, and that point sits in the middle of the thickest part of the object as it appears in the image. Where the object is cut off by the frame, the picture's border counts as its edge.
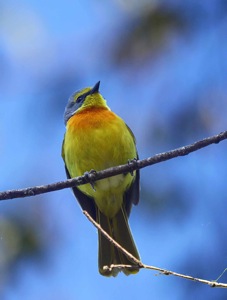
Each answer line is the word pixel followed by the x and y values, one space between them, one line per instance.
pixel 90 118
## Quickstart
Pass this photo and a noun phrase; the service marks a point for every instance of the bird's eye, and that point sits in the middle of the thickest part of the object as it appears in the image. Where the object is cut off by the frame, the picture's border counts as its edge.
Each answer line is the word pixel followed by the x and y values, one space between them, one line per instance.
pixel 80 99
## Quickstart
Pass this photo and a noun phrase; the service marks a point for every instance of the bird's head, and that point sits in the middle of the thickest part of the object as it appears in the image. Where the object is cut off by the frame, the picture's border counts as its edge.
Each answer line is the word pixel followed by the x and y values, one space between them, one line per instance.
pixel 86 98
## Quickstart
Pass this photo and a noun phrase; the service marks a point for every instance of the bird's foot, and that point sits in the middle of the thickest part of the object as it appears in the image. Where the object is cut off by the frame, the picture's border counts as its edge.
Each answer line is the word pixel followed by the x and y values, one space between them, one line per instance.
pixel 89 176
pixel 131 163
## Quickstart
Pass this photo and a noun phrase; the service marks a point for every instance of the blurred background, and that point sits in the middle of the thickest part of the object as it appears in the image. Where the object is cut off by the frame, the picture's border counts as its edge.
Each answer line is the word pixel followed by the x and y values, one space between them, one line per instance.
pixel 163 69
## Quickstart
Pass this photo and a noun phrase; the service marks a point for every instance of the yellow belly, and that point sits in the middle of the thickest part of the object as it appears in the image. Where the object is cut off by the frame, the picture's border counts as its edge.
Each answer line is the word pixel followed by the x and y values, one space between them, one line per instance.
pixel 100 141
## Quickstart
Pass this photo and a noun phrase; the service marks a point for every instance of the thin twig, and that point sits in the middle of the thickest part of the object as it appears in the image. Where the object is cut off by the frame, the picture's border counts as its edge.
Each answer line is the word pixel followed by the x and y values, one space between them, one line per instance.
pixel 131 166
pixel 143 266
pixel 135 260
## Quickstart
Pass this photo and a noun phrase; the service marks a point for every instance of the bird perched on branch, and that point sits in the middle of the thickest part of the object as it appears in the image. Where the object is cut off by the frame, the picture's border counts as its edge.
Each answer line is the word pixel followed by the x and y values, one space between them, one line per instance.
pixel 96 139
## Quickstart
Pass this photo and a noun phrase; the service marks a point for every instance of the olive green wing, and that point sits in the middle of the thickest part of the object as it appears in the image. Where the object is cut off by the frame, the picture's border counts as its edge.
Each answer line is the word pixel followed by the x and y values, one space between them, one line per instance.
pixel 132 195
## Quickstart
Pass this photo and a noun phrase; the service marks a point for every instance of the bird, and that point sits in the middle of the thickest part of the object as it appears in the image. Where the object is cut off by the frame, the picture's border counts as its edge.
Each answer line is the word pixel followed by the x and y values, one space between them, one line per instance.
pixel 96 139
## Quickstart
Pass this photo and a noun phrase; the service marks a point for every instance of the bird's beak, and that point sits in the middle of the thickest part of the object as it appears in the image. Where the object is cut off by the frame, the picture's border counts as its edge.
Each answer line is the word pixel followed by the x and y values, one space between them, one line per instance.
pixel 95 88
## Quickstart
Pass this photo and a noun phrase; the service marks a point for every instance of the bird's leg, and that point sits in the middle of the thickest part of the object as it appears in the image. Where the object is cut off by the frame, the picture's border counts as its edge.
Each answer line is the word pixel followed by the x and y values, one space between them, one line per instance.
pixel 131 163
pixel 88 176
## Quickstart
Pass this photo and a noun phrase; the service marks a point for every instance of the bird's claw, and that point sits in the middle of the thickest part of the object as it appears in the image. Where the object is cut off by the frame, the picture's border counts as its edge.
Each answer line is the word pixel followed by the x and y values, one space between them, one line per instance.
pixel 131 163
pixel 89 179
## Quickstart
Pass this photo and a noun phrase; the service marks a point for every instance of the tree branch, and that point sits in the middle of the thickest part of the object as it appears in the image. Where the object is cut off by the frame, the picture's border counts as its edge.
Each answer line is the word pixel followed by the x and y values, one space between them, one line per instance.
pixel 131 166
pixel 143 266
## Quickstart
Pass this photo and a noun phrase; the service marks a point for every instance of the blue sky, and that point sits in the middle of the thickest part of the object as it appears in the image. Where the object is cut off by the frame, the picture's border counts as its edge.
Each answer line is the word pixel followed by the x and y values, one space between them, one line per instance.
pixel 171 98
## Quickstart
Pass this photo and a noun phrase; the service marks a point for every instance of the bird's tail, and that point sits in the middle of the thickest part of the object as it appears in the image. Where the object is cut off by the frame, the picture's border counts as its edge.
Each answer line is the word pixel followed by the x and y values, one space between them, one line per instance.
pixel 118 229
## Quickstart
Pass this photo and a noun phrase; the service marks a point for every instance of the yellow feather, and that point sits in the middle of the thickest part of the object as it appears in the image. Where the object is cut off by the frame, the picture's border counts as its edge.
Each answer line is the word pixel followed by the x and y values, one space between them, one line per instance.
pixel 97 139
